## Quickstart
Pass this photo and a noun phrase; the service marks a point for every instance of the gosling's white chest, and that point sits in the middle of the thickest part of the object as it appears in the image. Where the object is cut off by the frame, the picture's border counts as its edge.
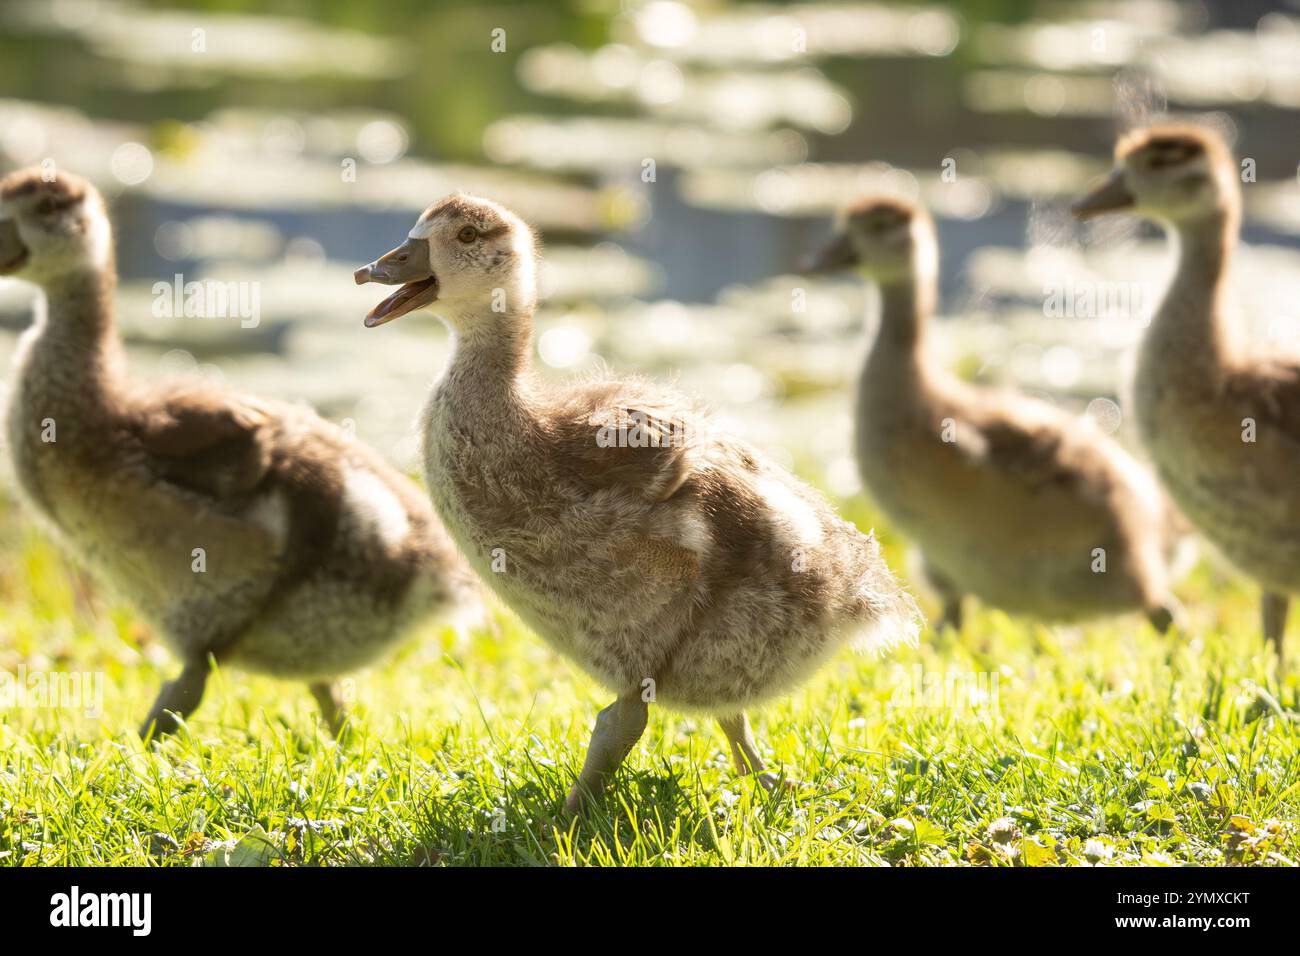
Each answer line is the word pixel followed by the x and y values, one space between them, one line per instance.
pixel 43 431
pixel 24 399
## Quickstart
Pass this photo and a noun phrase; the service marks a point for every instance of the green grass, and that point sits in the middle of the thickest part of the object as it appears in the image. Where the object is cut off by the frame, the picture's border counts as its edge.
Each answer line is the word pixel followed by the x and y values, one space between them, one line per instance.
pixel 1106 744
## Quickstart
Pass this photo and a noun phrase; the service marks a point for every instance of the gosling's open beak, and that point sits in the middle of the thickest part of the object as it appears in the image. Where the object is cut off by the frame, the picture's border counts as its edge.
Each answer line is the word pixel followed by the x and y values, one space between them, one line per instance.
pixel 837 254
pixel 1110 195
pixel 12 251
pixel 407 265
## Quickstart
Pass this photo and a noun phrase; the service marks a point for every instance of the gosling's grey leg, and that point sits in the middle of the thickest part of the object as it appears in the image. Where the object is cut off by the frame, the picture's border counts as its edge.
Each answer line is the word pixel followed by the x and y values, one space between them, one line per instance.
pixel 331 706
pixel 744 752
pixel 618 727
pixel 1273 608
pixel 948 594
pixel 952 615
pixel 178 698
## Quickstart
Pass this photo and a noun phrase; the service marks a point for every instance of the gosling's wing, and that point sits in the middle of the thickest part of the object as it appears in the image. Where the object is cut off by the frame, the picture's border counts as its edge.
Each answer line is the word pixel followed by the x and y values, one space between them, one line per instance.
pixel 1031 480
pixel 206 441
pixel 1267 391
pixel 1025 442
pixel 1051 470
pixel 1259 433
pixel 1031 455
pixel 624 435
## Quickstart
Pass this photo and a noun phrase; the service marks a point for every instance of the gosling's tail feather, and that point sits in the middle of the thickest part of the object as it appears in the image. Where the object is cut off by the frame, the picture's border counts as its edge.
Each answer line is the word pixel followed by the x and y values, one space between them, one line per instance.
pixel 892 619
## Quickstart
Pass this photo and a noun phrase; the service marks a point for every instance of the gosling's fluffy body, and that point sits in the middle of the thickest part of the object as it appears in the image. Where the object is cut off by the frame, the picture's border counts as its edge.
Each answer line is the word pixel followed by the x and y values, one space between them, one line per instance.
pixel 701 567
pixel 1202 388
pixel 1029 508
pixel 316 556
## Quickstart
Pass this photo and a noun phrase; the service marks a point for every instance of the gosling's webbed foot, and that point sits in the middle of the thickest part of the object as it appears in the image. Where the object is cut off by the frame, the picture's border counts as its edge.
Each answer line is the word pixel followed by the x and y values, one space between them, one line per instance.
pixel 1168 615
pixel 776 783
pixel 161 722
pixel 745 755
pixel 177 699
pixel 574 801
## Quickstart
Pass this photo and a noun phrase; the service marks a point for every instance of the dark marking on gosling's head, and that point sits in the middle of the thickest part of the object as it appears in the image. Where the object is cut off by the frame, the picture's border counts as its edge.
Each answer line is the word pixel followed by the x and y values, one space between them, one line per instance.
pixel 1169 144
pixel 881 212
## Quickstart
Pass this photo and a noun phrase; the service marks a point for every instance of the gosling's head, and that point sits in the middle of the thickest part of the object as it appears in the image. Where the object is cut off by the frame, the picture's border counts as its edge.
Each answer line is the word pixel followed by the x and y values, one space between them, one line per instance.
pixel 470 255
pixel 1170 173
pixel 885 238
pixel 52 225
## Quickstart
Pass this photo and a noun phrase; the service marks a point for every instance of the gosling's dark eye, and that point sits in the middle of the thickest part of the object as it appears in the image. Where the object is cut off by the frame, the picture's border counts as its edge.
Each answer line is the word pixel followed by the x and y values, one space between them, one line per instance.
pixel 45 207
pixel 1168 158
pixel 467 235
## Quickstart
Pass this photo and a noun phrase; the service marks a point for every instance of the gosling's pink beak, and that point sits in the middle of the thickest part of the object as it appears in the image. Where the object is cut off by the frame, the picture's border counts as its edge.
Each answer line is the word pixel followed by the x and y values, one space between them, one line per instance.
pixel 838 253
pixel 1109 196
pixel 408 264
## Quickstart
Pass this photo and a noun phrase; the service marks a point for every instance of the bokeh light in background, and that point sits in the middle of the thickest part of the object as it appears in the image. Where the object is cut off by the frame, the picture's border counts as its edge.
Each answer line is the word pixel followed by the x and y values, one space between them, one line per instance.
pixel 680 159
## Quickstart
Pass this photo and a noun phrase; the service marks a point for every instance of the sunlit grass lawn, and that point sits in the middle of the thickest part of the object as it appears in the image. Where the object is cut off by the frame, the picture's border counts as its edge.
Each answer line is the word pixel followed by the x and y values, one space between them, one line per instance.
pixel 1104 744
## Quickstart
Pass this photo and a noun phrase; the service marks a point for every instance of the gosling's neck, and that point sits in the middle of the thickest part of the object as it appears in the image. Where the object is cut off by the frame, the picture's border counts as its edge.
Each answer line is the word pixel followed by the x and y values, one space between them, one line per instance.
pixel 490 374
pixel 76 331
pixel 906 301
pixel 1190 328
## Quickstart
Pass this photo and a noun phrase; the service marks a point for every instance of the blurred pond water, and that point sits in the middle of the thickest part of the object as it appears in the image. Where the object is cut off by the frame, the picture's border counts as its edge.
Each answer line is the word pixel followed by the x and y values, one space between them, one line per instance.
pixel 679 159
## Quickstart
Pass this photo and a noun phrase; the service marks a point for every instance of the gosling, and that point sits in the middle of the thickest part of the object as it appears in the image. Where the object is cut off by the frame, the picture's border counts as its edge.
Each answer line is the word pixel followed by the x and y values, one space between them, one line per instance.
pixel 672 562
pixel 246 531
pixel 1030 509
pixel 1219 416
